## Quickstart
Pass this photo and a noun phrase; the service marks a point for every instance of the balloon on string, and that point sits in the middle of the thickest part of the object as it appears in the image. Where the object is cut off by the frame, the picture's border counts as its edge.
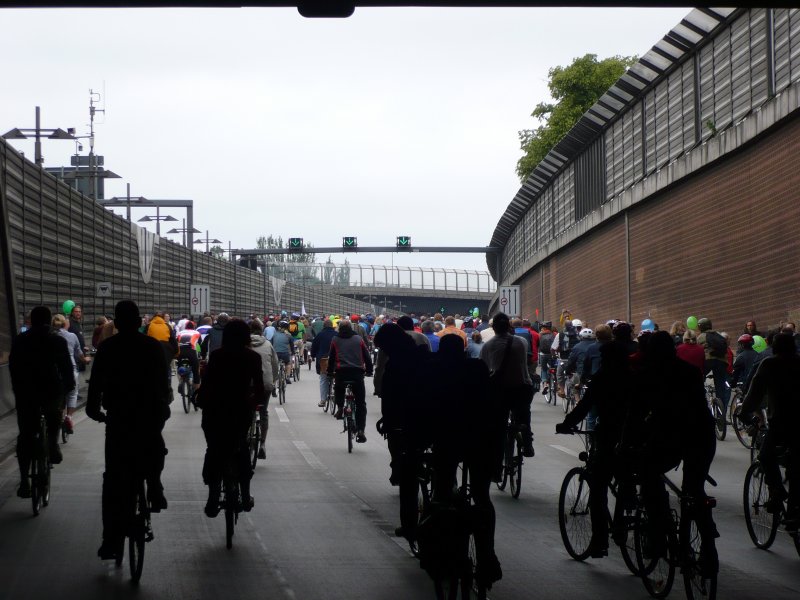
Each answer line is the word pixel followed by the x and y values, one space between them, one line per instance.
pixel 759 343
pixel 67 307
pixel 691 323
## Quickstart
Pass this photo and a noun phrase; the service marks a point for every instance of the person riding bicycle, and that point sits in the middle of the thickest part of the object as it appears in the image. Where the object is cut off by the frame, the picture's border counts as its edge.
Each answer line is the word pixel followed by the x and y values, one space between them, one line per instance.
pixel 128 382
pixel 188 344
pixel 675 426
pixel 348 361
pixel 213 339
pixel 715 347
pixel 745 359
pixel 320 348
pixel 546 337
pixel 282 343
pixel 41 375
pixel 776 380
pixel 563 344
pixel 506 356
pixel 296 330
pixel 610 395
pixel 233 386
pixel 576 362
pixel 270 368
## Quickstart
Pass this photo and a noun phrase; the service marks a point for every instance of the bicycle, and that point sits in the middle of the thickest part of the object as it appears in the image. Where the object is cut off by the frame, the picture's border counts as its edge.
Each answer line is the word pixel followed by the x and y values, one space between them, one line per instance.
pixel 717 409
pixel 734 411
pixel 571 395
pixel 447 545
pixel 40 468
pixel 574 515
pixel 295 364
pixel 138 528
pixel 254 437
pixel 549 381
pixel 185 386
pixel 762 525
pixel 307 354
pixel 281 382
pixel 512 457
pixel 689 545
pixel 231 498
pixel 349 415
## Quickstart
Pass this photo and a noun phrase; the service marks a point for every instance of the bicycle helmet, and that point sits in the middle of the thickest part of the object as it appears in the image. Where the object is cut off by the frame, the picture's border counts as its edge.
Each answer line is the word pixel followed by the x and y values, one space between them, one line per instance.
pixel 586 334
pixel 577 323
pixel 746 338
pixel 648 325
pixel 283 324
pixel 622 330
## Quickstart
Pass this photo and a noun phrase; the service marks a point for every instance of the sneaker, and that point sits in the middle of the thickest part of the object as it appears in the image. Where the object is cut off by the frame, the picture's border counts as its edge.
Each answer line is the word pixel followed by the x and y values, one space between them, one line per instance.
pixel 212 504
pixel 107 551
pixel 360 437
pixel 775 504
pixel 157 501
pixel 24 489
pixel 489 571
pixel 55 455
pixel 274 393
pixel 598 550
pixel 338 414
pixel 262 452
pixel 288 381
pixel 247 505
pixel 527 450
pixel 545 391
pixel 321 403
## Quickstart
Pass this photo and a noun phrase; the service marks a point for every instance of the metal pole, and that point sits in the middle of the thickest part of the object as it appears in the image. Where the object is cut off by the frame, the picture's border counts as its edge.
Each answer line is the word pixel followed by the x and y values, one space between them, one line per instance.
pixel 129 202
pixel 158 221
pixel 208 250
pixel 39 159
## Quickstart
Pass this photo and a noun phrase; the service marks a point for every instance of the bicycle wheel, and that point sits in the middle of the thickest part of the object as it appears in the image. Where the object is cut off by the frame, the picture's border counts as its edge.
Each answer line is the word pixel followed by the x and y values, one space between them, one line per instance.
pixel 574 518
pixel 627 547
pixel 308 361
pixel 697 585
pixel 351 432
pixel 185 397
pixel 44 475
pixel 552 396
pixel 136 549
pixel 740 430
pixel 720 422
pixel 36 492
pixel 761 525
pixel 64 432
pixel 282 391
pixel 254 437
pixel 508 457
pixel 515 473
pixel 469 581
pixel 657 572
pixel 231 501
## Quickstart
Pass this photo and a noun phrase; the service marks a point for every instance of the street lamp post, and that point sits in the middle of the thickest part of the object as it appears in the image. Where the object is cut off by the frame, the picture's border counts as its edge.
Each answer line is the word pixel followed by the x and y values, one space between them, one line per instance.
pixel 208 241
pixel 183 230
pixel 158 218
pixel 54 134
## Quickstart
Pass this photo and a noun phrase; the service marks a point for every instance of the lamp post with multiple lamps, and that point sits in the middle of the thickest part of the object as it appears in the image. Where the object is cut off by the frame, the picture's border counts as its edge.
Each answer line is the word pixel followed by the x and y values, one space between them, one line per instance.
pixel 208 241
pixel 157 218
pixel 183 230
pixel 19 133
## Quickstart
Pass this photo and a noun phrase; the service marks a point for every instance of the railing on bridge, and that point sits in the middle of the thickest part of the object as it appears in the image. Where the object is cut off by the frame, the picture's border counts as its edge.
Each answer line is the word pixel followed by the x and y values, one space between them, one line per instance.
pixel 382 276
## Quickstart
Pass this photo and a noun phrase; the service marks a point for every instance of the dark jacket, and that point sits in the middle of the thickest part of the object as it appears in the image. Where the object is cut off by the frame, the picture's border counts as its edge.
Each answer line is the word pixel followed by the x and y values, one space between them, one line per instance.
pixel 742 364
pixel 348 351
pixel 575 363
pixel 321 346
pixel 212 341
pixel 40 368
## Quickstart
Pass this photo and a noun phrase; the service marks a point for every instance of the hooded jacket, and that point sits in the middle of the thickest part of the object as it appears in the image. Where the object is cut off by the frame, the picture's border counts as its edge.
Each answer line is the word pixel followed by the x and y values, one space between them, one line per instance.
pixel 269 360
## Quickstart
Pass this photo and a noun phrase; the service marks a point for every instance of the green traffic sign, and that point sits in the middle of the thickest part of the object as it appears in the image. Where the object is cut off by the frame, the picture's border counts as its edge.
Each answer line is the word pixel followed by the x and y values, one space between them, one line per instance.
pixel 295 242
pixel 349 242
pixel 403 241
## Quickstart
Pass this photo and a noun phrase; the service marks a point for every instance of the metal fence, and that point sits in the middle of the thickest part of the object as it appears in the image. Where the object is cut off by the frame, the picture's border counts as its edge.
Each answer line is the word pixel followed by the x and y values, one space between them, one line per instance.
pixel 62 245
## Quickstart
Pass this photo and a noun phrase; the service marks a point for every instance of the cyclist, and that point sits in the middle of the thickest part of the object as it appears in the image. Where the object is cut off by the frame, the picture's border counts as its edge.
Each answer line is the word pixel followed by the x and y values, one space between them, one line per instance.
pixel 41 373
pixel 270 368
pixel 716 347
pixel 320 348
pixel 296 329
pixel 609 394
pixel 776 379
pixel 61 327
pixel 128 382
pixel 282 343
pixel 676 427
pixel 506 354
pixel 188 346
pixel 348 362
pixel 213 339
pixel 563 343
pixel 745 358
pixel 577 357
pixel 546 337
pixel 233 386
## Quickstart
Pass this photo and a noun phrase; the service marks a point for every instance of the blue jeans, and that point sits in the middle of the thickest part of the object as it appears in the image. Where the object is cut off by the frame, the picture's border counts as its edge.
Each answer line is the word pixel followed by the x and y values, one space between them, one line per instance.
pixel 719 370
pixel 324 386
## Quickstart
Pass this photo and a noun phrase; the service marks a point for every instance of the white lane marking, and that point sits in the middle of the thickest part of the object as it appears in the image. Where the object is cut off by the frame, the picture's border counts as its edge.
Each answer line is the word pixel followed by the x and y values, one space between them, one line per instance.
pixel 308 455
pixel 282 416
pixel 563 449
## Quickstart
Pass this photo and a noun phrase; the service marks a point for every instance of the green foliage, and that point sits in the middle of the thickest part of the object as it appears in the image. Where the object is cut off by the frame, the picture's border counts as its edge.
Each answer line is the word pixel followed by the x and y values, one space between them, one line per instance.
pixel 217 251
pixel 574 89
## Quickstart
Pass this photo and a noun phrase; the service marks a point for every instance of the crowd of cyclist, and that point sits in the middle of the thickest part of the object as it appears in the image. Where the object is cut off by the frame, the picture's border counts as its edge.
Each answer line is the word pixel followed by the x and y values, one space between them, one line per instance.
pixel 445 382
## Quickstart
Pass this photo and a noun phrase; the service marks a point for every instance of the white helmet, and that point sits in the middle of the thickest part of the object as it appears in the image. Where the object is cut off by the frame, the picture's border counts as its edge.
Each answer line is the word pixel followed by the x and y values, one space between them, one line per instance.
pixel 586 334
pixel 577 323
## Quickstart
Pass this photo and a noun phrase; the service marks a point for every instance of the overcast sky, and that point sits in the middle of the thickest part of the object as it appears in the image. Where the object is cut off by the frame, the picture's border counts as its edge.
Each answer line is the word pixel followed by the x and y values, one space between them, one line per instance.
pixel 392 122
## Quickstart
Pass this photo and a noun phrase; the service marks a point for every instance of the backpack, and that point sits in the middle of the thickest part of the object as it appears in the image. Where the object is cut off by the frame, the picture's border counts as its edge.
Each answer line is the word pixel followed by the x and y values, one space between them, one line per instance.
pixel 293 328
pixel 546 342
pixel 717 346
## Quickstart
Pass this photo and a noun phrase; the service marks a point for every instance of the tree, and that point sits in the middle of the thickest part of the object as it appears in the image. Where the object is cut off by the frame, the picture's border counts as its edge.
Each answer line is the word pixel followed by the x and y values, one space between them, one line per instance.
pixel 217 251
pixel 574 89
pixel 278 263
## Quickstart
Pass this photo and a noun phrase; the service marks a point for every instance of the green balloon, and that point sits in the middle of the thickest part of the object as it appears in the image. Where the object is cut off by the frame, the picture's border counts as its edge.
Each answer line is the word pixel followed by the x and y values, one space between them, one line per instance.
pixel 691 323
pixel 759 343
pixel 68 306
pixel 475 312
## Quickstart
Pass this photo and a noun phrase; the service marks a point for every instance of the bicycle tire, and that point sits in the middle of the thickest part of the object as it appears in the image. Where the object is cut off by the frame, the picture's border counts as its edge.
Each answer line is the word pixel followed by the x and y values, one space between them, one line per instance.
pixel 185 399
pixel 64 433
pixel 696 585
pixel 720 422
pixel 36 495
pixel 136 550
pixel 308 361
pixel 552 396
pixel 255 441
pixel 761 525
pixel 516 470
pixel 574 518
pixel 470 579
pixel 740 430
pixel 45 476
pixel 657 573
pixel 282 392
pixel 350 433
pixel 508 453
pixel 296 371
pixel 628 548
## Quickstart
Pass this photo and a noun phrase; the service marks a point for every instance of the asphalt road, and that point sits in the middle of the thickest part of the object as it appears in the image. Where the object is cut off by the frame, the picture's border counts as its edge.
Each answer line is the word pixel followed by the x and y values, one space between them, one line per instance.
pixel 323 524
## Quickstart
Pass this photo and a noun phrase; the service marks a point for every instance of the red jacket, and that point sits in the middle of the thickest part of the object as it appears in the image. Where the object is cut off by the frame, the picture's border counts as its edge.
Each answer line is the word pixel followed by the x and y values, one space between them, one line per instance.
pixel 693 354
